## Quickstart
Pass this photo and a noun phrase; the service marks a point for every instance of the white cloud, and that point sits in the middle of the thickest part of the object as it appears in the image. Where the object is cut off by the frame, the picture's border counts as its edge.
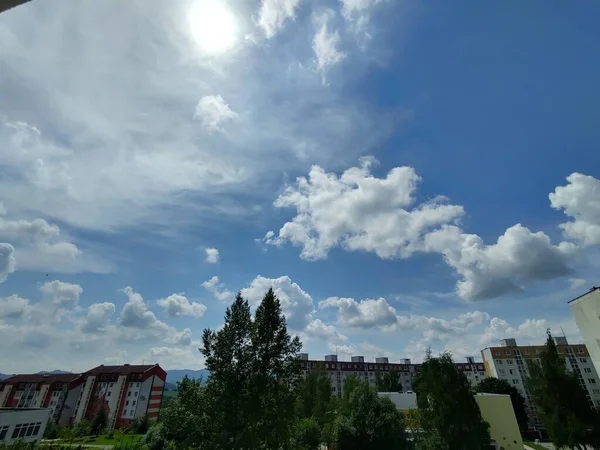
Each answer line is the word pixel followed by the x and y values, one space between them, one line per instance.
pixel 358 12
pixel 218 289
pixel 576 283
pixel 318 329
pixel 213 112
pixel 326 45
pixel 61 294
pixel 179 305
pixel 358 211
pixel 296 304
pixel 364 314
pixel 580 199
pixel 183 337
pixel 38 245
pixel 7 260
pixel 13 307
pixel 274 14
pixel 519 256
pixel 212 255
pixel 135 313
pixel 98 317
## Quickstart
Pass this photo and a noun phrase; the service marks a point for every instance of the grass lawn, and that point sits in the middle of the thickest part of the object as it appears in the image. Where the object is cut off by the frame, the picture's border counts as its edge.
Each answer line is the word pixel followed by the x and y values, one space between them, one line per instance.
pixel 535 446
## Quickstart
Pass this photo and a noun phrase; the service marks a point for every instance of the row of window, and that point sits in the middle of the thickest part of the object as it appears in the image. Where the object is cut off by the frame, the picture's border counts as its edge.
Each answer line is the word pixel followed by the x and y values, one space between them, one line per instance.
pixel 537 351
pixel 25 430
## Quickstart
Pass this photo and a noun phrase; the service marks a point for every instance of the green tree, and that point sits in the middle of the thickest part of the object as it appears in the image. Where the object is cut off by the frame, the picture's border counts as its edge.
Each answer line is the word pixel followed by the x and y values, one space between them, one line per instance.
pixel 254 371
pixel 388 381
pixel 495 386
pixel 141 424
pixel 307 434
pixel 185 422
pixel 314 399
pixel 369 422
pixel 100 422
pixel 51 431
pixel 561 402
pixel 448 412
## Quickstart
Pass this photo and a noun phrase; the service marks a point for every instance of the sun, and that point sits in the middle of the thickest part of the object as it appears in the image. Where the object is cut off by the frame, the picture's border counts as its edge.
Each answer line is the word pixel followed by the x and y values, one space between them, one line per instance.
pixel 213 26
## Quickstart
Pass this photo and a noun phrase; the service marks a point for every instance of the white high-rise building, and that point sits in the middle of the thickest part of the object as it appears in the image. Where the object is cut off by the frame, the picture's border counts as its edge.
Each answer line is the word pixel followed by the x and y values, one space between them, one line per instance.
pixel 586 310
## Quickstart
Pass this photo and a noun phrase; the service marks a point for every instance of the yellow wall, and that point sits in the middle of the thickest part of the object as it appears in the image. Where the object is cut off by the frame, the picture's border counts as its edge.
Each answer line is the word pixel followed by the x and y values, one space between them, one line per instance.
pixel 497 410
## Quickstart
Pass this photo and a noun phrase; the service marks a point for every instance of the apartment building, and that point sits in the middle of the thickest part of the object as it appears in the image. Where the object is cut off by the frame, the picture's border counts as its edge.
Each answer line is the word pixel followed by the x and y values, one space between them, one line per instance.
pixel 126 392
pixel 509 362
pixel 586 311
pixel 338 371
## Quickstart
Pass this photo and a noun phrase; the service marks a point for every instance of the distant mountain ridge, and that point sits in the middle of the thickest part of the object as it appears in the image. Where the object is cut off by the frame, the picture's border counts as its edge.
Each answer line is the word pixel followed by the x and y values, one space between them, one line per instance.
pixel 4 376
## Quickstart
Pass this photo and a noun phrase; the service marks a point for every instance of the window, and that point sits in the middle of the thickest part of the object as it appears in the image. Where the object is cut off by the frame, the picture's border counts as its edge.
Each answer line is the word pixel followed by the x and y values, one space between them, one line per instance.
pixel 587 370
pixel 497 353
pixel 129 394
pixel 3 432
pixel 507 352
pixel 526 352
pixel 127 403
pixel 592 381
pixel 510 362
pixel 579 350
pixel 125 412
pixel 135 394
pixel 595 391
pixel 515 381
pixel 133 403
pixel 111 384
pixel 108 393
pixel 500 361
pixel 583 360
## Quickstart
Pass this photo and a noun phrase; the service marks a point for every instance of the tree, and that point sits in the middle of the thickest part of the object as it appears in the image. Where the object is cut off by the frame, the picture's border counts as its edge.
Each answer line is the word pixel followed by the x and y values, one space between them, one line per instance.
pixel 495 386
pixel 254 371
pixel 314 399
pixel 185 422
pixel 100 422
pixel 307 434
pixel 369 422
pixel 561 402
pixel 141 424
pixel 388 382
pixel 448 413
pixel 51 431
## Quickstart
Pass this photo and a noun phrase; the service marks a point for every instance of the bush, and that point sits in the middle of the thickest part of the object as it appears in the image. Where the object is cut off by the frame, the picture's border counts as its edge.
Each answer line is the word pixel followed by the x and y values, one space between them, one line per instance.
pixel 141 424
pixel 307 435
pixel 51 431
pixel 155 438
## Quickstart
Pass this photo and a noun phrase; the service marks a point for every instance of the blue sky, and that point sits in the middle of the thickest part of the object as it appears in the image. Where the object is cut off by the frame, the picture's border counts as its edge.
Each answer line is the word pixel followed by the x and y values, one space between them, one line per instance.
pixel 404 174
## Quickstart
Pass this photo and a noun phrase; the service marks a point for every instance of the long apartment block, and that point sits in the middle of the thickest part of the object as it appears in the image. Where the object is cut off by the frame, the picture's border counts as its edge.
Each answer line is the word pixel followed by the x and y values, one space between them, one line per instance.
pixel 509 362
pixel 126 392
pixel 338 371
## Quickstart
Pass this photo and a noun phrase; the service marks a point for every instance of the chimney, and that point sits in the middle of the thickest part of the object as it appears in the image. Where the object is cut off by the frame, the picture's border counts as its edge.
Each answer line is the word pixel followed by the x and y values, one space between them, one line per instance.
pixel 470 360
pixel 382 360
pixel 509 342
pixel 358 359
pixel 405 361
pixel 303 356
pixel 331 358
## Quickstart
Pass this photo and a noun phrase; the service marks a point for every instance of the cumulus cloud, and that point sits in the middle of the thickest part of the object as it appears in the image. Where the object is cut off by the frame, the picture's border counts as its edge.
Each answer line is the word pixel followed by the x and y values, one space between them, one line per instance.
pixel 363 314
pixel 580 199
pixel 98 316
pixel 274 14
pixel 358 211
pixel 326 45
pixel 40 246
pixel 318 329
pixel 212 255
pixel 213 112
pixel 179 305
pixel 218 289
pixel 7 261
pixel 135 313
pixel 61 294
pixel 296 304
pixel 13 307
pixel 488 271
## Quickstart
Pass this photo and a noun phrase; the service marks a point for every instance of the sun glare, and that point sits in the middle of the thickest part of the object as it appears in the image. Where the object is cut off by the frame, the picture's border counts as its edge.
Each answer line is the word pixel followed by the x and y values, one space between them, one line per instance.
pixel 213 25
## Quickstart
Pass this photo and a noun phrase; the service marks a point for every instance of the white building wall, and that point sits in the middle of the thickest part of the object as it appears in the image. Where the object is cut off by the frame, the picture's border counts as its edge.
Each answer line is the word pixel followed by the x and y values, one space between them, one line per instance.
pixel 4 394
pixel 114 402
pixel 12 421
pixel 586 311
pixel 41 396
pixel 84 398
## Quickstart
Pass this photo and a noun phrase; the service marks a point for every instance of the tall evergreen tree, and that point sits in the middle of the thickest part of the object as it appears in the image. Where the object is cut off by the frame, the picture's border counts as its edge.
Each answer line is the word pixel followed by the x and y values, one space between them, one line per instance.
pixel 561 402
pixel 493 385
pixel 388 382
pixel 275 373
pixel 314 399
pixel 229 359
pixel 448 412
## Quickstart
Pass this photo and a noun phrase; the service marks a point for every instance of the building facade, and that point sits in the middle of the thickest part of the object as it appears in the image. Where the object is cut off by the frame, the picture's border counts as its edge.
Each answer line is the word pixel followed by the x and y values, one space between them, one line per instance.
pixel 338 371
pixel 126 392
pixel 509 362
pixel 23 424
pixel 586 311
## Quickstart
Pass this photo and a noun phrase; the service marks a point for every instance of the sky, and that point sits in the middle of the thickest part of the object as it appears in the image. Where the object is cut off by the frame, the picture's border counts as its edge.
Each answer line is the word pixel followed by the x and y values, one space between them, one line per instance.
pixel 404 175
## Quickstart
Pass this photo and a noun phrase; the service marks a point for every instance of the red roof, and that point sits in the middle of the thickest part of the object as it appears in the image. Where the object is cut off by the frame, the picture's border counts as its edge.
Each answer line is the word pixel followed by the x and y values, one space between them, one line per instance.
pixel 125 369
pixel 45 378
